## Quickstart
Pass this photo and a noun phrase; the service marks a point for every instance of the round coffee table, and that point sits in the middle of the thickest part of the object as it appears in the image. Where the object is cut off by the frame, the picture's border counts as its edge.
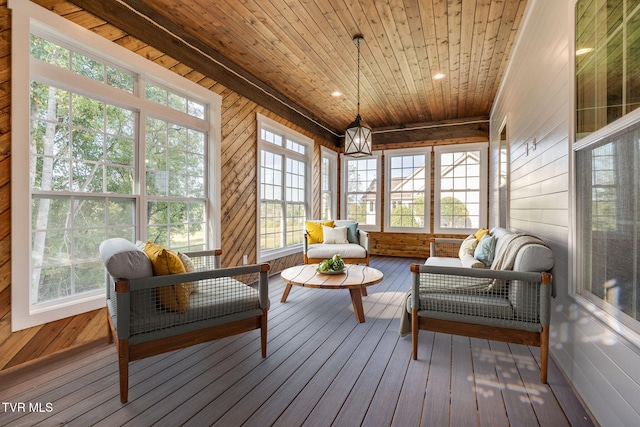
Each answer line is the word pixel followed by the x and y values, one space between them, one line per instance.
pixel 355 278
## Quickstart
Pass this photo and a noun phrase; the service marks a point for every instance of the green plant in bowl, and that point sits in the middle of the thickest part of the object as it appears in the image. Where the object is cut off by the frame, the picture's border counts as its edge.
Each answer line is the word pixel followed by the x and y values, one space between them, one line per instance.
pixel 334 264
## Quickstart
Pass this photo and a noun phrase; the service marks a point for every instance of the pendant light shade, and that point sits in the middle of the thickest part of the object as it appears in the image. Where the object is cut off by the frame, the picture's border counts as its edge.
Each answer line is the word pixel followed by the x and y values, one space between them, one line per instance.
pixel 357 136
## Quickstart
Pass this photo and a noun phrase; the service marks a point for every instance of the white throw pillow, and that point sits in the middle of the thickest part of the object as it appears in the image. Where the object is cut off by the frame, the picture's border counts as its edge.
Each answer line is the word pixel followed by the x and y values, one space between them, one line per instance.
pixel 468 246
pixel 334 234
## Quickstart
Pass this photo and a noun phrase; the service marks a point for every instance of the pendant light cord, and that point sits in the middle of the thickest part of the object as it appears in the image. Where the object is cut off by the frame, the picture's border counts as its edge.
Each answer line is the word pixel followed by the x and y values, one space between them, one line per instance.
pixel 359 40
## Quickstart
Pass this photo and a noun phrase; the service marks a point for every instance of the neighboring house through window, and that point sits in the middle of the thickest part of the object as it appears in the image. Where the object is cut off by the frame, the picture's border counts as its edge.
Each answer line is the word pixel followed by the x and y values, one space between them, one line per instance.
pixel 460 188
pixel 104 144
pixel 407 190
pixel 361 191
pixel 284 188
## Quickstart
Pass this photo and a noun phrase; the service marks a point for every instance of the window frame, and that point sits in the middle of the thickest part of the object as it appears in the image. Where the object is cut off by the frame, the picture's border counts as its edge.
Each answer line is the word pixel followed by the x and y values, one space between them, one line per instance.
pixel 28 18
pixel 298 138
pixel 388 155
pixel 625 324
pixel 483 147
pixel 332 191
pixel 377 156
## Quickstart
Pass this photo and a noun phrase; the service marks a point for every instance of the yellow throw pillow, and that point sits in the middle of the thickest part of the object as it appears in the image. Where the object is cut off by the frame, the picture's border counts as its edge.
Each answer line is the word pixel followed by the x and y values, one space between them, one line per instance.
pixel 478 234
pixel 314 230
pixel 164 262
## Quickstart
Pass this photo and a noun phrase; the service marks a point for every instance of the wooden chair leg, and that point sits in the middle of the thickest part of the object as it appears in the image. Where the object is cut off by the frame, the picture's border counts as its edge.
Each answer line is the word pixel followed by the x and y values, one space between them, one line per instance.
pixel 123 369
pixel 544 354
pixel 263 333
pixel 109 331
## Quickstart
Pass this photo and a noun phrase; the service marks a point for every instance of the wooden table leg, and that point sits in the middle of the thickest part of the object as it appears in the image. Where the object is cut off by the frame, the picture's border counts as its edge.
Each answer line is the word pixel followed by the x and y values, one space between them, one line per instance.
pixel 356 300
pixel 286 293
pixel 364 291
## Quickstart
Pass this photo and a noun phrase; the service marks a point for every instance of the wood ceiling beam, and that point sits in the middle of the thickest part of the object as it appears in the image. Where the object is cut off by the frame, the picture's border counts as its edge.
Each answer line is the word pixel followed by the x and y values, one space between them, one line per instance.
pixel 177 43
pixel 470 129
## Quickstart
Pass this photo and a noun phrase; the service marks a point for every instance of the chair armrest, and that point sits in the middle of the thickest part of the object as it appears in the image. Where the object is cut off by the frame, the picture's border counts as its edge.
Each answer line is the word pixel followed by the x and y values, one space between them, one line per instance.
pixel 444 247
pixel 176 279
pixel 206 260
pixel 363 238
pixel 305 243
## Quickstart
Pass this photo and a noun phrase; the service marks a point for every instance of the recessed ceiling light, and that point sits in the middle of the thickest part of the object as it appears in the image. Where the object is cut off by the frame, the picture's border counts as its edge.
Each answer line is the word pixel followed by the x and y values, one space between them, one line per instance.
pixel 438 76
pixel 584 51
pixel 336 94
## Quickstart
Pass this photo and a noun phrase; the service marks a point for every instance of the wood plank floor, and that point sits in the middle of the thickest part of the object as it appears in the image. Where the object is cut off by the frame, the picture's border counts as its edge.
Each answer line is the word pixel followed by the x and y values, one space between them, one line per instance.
pixel 322 369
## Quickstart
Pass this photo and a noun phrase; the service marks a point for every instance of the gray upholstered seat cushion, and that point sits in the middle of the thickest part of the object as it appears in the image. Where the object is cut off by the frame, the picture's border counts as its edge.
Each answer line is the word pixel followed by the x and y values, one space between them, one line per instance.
pixel 216 298
pixel 470 305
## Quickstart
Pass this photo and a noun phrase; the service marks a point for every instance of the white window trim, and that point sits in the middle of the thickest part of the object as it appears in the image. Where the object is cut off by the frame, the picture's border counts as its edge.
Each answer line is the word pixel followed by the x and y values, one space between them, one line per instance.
pixel 25 17
pixel 263 121
pixel 333 179
pixel 484 185
pixel 343 197
pixel 427 189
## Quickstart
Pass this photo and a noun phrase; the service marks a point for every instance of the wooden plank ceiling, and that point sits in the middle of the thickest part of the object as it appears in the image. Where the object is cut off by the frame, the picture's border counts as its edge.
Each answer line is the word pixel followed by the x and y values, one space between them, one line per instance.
pixel 302 51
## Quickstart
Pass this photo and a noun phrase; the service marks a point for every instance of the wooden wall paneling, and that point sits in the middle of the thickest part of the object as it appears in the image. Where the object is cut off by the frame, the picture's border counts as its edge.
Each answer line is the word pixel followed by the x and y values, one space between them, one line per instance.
pixel 413 245
pixel 12 343
pixel 5 184
pixel 239 182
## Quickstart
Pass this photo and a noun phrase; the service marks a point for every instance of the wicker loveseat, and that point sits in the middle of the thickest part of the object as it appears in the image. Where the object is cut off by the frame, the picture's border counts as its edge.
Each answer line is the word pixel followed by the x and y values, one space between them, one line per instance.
pixel 149 314
pixel 510 301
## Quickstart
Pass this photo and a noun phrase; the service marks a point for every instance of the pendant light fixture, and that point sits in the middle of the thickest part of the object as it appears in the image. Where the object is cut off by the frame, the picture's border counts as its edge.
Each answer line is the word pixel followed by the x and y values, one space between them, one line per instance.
pixel 357 137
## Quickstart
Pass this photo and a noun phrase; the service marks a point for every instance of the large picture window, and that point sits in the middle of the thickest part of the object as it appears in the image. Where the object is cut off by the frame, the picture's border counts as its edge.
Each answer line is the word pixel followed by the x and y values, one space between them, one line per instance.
pixel 407 185
pixel 285 188
pixel 112 154
pixel 361 191
pixel 461 188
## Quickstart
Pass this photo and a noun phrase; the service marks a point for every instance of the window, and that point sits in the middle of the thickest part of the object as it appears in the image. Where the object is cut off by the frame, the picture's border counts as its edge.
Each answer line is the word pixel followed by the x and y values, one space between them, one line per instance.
pixel 361 194
pixel 104 161
pixel 407 190
pixel 608 195
pixel 461 188
pixel 284 183
pixel 607 158
pixel 607 62
pixel 329 180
